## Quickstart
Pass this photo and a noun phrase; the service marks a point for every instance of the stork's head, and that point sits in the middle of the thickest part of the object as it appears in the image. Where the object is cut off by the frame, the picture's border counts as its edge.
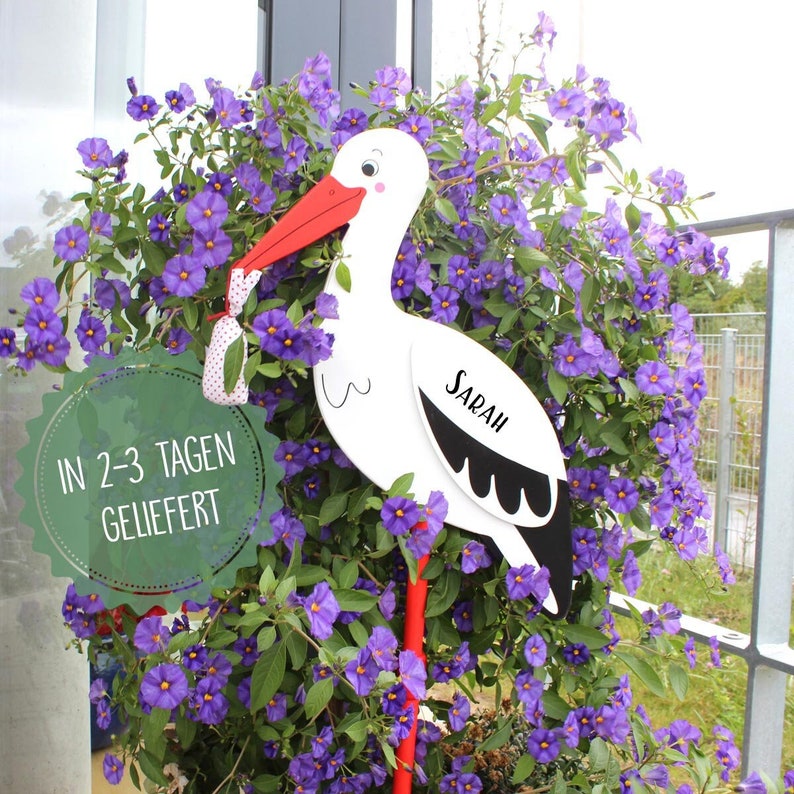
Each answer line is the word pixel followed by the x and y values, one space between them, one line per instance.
pixel 379 174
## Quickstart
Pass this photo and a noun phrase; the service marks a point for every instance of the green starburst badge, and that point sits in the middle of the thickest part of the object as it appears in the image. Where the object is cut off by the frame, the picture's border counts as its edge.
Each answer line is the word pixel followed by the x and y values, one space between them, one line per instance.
pixel 140 489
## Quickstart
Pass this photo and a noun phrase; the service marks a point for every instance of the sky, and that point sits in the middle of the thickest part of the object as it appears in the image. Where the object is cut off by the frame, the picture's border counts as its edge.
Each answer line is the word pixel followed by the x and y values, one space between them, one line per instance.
pixel 708 80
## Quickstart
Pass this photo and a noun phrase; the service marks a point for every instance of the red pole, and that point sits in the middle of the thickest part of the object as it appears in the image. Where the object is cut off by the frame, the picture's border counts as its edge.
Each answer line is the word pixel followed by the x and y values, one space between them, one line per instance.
pixel 414 640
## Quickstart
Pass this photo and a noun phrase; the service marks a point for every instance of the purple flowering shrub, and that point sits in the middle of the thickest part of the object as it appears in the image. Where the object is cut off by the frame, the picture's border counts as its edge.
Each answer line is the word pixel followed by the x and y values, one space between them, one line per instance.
pixel 294 680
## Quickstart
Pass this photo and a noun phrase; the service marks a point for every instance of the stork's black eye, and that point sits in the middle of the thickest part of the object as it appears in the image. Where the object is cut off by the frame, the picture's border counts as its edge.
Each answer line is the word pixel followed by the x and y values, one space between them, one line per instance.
pixel 369 168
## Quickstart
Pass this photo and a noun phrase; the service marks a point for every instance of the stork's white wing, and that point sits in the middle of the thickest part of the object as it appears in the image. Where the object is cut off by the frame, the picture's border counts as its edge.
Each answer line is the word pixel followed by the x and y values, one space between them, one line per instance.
pixel 486 426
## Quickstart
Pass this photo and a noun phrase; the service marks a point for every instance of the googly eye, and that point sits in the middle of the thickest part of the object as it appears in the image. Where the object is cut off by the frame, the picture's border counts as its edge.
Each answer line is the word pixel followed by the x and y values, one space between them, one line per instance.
pixel 369 168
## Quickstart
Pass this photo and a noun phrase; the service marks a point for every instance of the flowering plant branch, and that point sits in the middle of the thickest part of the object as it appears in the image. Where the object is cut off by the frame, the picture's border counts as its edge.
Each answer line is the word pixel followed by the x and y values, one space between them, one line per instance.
pixel 294 679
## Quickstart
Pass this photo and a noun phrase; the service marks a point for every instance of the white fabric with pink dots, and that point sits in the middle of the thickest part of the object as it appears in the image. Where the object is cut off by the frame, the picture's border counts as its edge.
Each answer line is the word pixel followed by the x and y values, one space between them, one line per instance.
pixel 227 330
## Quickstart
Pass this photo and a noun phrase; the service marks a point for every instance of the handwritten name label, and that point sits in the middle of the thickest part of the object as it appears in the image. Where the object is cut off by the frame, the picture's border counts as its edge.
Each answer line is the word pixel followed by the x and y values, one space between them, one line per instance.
pixel 476 402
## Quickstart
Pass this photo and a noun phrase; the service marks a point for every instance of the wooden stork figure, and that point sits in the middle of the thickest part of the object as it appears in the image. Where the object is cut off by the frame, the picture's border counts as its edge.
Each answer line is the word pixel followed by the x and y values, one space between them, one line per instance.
pixel 402 394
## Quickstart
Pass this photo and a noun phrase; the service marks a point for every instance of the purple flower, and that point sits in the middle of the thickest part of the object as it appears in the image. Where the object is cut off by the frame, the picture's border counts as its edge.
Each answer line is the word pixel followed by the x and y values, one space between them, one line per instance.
pixel 444 304
pixel 654 378
pixel 103 714
pixel 112 769
pixel 262 198
pixel 276 707
pixel 142 107
pixel 543 745
pixel 527 581
pixel 576 653
pixel 322 609
pixel 40 292
pixel 101 224
pixel 752 784
pixel 42 325
pixel 292 457
pixel 164 687
pixel 462 616
pixel 8 344
pixel 210 703
pixel 567 102
pixel 621 495
pixel 95 153
pixel 382 645
pixel 181 193
pixel 71 242
pixel 109 291
pixel 631 576
pixel 150 635
pixel 417 126
pixel 294 154
pixel 714 646
pixel 413 674
pixel 218 670
pixel 211 247
pixel 227 107
pixel 206 211
pixel 403 280
pixel 277 334
pixel 535 651
pixel 382 98
pixel 671 183
pixel 98 690
pixel 362 672
pixel 175 101
pixel 178 340
pixel 247 647
pixel 459 712
pixel 194 657
pixel 184 276
pixel 399 514
pixel 723 562
pixel 90 332
pixel 159 228
pixel 474 556
pixel 691 653
pixel 570 359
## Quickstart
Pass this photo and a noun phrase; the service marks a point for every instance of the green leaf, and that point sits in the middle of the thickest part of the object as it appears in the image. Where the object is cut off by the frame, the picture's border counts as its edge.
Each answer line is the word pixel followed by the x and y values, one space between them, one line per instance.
pixel 348 575
pixel 573 164
pixel 598 755
pixel 443 594
pixel 186 730
pixel 190 313
pixel 589 295
pixel 644 672
pixel 633 218
pixel 268 675
pixel 153 256
pixel 525 766
pixel 491 112
pixel 679 680
pixel 233 363
pixel 357 731
pixel 587 635
pixel 271 369
pixel 342 273
pixel 614 442
pixel 332 508
pixel 401 486
pixel 446 209
pixel 318 696
pixel 355 600
pixel 558 386
pixel 153 727
pixel 152 767
pixel 498 738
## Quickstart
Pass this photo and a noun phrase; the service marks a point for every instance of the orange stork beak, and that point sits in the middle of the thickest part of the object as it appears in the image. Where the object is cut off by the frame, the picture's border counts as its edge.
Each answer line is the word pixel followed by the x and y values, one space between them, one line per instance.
pixel 326 207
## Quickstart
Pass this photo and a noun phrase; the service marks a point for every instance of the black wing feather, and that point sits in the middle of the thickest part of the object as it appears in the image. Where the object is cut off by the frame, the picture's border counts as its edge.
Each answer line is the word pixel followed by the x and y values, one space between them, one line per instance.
pixel 511 478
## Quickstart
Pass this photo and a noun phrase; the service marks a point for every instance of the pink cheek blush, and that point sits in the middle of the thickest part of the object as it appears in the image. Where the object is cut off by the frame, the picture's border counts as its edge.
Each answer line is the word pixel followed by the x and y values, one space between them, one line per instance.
pixel 380 187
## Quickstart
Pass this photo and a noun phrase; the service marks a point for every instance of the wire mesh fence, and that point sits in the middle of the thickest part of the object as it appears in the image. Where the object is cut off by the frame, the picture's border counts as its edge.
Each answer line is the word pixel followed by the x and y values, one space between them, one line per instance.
pixel 730 449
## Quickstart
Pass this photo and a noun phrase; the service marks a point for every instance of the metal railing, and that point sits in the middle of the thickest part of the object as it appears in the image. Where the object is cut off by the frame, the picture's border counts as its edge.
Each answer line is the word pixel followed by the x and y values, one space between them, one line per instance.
pixel 729 456
pixel 765 649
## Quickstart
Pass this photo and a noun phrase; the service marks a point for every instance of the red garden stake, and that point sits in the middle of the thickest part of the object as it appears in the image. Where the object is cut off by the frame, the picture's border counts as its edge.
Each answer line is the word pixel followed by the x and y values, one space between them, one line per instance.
pixel 414 637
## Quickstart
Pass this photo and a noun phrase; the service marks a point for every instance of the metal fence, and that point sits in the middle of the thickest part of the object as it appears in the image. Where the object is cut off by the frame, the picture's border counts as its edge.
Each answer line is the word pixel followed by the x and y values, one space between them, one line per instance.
pixel 766 648
pixel 729 456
